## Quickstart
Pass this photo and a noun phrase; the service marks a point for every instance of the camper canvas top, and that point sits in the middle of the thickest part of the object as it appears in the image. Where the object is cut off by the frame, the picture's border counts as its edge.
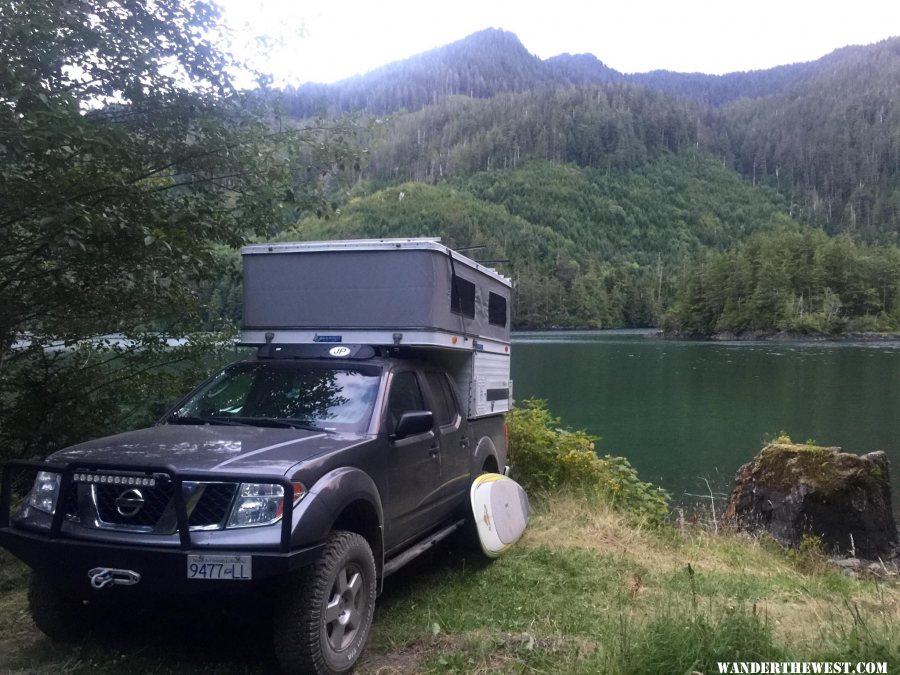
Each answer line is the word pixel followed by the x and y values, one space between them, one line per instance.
pixel 414 292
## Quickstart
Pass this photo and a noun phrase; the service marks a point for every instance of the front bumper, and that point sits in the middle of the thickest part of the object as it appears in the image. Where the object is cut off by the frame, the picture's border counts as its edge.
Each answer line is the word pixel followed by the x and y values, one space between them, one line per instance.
pixel 162 570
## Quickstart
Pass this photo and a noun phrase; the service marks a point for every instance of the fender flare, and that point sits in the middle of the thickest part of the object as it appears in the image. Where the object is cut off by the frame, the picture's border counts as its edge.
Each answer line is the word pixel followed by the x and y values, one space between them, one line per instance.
pixel 316 514
pixel 484 449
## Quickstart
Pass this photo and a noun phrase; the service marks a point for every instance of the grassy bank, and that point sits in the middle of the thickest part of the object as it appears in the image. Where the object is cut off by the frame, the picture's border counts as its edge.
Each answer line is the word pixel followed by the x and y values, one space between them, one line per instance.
pixel 587 590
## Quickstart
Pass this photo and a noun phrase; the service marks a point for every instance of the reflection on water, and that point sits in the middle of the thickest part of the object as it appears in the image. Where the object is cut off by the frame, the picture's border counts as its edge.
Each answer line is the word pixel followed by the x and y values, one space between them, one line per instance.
pixel 683 411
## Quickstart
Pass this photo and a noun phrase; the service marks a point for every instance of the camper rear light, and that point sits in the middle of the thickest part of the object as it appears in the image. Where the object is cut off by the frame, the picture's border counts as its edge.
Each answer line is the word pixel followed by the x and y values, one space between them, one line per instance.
pixel 506 437
pixel 259 504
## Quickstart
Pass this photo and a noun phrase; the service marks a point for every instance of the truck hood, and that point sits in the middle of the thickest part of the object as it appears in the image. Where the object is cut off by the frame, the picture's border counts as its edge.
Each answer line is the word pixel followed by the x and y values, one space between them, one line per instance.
pixel 237 449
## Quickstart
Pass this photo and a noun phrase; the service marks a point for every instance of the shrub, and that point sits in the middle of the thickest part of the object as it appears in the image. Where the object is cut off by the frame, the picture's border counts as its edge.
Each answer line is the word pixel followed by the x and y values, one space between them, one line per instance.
pixel 809 556
pixel 546 457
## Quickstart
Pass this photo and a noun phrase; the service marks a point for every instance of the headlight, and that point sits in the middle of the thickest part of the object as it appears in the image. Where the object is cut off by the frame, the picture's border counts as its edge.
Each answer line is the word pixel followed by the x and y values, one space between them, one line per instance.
pixel 260 504
pixel 45 492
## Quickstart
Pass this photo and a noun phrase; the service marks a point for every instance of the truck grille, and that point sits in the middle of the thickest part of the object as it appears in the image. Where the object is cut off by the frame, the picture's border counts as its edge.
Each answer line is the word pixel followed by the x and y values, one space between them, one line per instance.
pixel 155 498
pixel 214 504
pixel 71 505
pixel 122 505
pixel 210 510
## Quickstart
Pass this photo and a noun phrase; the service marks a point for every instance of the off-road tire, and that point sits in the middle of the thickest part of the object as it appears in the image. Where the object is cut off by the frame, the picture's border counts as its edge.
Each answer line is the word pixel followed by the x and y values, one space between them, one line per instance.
pixel 303 635
pixel 60 616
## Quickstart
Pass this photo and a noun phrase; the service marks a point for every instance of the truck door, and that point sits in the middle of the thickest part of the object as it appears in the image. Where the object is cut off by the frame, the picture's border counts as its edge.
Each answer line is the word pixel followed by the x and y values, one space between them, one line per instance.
pixel 414 466
pixel 452 435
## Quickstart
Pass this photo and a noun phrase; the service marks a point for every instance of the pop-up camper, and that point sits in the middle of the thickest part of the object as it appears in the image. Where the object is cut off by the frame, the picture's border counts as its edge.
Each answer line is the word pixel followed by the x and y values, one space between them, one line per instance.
pixel 412 295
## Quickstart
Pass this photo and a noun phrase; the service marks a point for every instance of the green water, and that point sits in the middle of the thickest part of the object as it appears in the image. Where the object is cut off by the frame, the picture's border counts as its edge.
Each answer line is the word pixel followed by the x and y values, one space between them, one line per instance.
pixel 686 411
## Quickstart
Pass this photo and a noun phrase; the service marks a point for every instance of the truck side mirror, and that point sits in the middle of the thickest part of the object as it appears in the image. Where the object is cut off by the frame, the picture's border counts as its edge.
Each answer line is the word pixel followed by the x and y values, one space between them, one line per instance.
pixel 414 422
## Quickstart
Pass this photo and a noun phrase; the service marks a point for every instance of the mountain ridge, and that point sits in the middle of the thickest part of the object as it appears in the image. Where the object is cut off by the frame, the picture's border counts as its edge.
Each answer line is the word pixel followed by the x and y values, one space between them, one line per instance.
pixel 494 60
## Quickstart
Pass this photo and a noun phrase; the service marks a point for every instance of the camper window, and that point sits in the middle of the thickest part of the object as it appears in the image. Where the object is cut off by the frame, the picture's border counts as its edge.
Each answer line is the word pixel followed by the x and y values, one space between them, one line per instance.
pixel 497 309
pixel 462 297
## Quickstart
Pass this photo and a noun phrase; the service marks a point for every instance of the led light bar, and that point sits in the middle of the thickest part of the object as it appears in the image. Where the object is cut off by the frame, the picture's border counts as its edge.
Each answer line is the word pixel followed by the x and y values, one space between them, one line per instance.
pixel 107 479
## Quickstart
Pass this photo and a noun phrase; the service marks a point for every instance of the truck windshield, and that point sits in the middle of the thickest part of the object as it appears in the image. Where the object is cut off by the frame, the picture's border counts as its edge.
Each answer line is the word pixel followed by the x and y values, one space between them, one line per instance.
pixel 285 394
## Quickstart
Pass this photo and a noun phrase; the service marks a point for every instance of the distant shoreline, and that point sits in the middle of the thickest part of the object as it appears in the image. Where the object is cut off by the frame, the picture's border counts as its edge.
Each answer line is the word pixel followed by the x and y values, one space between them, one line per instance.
pixel 751 336
pixel 779 336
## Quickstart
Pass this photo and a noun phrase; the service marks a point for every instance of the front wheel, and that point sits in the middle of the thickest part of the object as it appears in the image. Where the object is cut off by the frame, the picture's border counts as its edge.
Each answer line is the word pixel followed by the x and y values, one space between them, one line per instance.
pixel 324 614
pixel 60 616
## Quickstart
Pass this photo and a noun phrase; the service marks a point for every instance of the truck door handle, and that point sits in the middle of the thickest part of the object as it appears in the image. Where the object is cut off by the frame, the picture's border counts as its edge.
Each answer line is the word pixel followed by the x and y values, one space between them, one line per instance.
pixel 433 450
pixel 464 442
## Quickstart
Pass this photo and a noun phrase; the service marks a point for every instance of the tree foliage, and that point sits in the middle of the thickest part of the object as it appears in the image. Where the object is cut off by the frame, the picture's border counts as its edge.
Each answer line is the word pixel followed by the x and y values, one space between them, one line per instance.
pixel 801 282
pixel 123 160
pixel 617 127
pixel 126 157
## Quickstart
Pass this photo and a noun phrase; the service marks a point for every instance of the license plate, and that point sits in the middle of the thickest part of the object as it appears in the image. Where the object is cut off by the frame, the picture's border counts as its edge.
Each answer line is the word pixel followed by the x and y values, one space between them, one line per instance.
pixel 227 567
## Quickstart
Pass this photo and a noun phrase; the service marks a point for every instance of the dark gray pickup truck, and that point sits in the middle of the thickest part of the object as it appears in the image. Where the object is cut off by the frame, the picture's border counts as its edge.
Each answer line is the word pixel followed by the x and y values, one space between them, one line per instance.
pixel 316 470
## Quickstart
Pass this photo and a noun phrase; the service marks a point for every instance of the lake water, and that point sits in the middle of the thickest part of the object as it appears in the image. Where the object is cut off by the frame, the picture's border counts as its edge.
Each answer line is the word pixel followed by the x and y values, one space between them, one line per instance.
pixel 684 411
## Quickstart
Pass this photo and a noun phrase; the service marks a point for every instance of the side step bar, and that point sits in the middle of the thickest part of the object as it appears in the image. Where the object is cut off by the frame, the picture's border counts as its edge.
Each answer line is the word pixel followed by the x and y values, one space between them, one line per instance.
pixel 414 552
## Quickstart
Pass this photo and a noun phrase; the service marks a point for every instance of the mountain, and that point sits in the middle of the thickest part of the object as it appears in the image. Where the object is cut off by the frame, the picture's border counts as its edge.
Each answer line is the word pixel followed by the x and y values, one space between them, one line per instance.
pixel 826 134
pixel 479 66
pixel 625 198
pixel 581 70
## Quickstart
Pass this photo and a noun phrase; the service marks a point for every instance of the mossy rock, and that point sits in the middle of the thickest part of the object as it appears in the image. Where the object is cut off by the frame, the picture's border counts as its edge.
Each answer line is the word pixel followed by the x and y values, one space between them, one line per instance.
pixel 790 490
pixel 825 470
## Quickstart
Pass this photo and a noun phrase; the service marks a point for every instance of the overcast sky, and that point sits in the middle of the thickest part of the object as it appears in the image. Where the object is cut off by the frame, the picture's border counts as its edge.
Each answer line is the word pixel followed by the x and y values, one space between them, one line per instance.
pixel 327 41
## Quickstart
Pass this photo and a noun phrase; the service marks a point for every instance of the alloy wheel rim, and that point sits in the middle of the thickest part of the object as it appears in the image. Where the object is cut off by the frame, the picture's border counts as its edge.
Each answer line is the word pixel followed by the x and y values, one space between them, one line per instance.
pixel 345 608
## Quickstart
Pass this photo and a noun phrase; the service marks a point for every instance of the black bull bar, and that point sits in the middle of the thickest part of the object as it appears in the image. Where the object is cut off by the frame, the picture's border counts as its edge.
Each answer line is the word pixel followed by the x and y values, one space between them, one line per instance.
pixel 67 559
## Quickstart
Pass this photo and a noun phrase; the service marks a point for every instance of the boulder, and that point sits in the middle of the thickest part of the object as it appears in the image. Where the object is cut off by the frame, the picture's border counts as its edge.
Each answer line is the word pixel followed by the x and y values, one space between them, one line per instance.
pixel 790 490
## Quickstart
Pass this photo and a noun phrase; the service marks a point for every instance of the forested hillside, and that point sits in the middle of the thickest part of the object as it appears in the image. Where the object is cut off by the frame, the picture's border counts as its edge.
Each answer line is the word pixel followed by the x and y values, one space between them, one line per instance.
pixel 716 90
pixel 588 248
pixel 614 127
pixel 826 134
pixel 830 143
pixel 621 192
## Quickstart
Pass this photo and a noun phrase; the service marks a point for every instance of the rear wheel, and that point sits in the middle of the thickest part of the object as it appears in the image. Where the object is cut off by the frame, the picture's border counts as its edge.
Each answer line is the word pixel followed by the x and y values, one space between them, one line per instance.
pixel 60 616
pixel 324 615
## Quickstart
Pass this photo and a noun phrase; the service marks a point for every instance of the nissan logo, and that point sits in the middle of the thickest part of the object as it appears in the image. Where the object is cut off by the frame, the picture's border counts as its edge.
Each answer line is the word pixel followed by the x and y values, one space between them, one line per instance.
pixel 129 503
